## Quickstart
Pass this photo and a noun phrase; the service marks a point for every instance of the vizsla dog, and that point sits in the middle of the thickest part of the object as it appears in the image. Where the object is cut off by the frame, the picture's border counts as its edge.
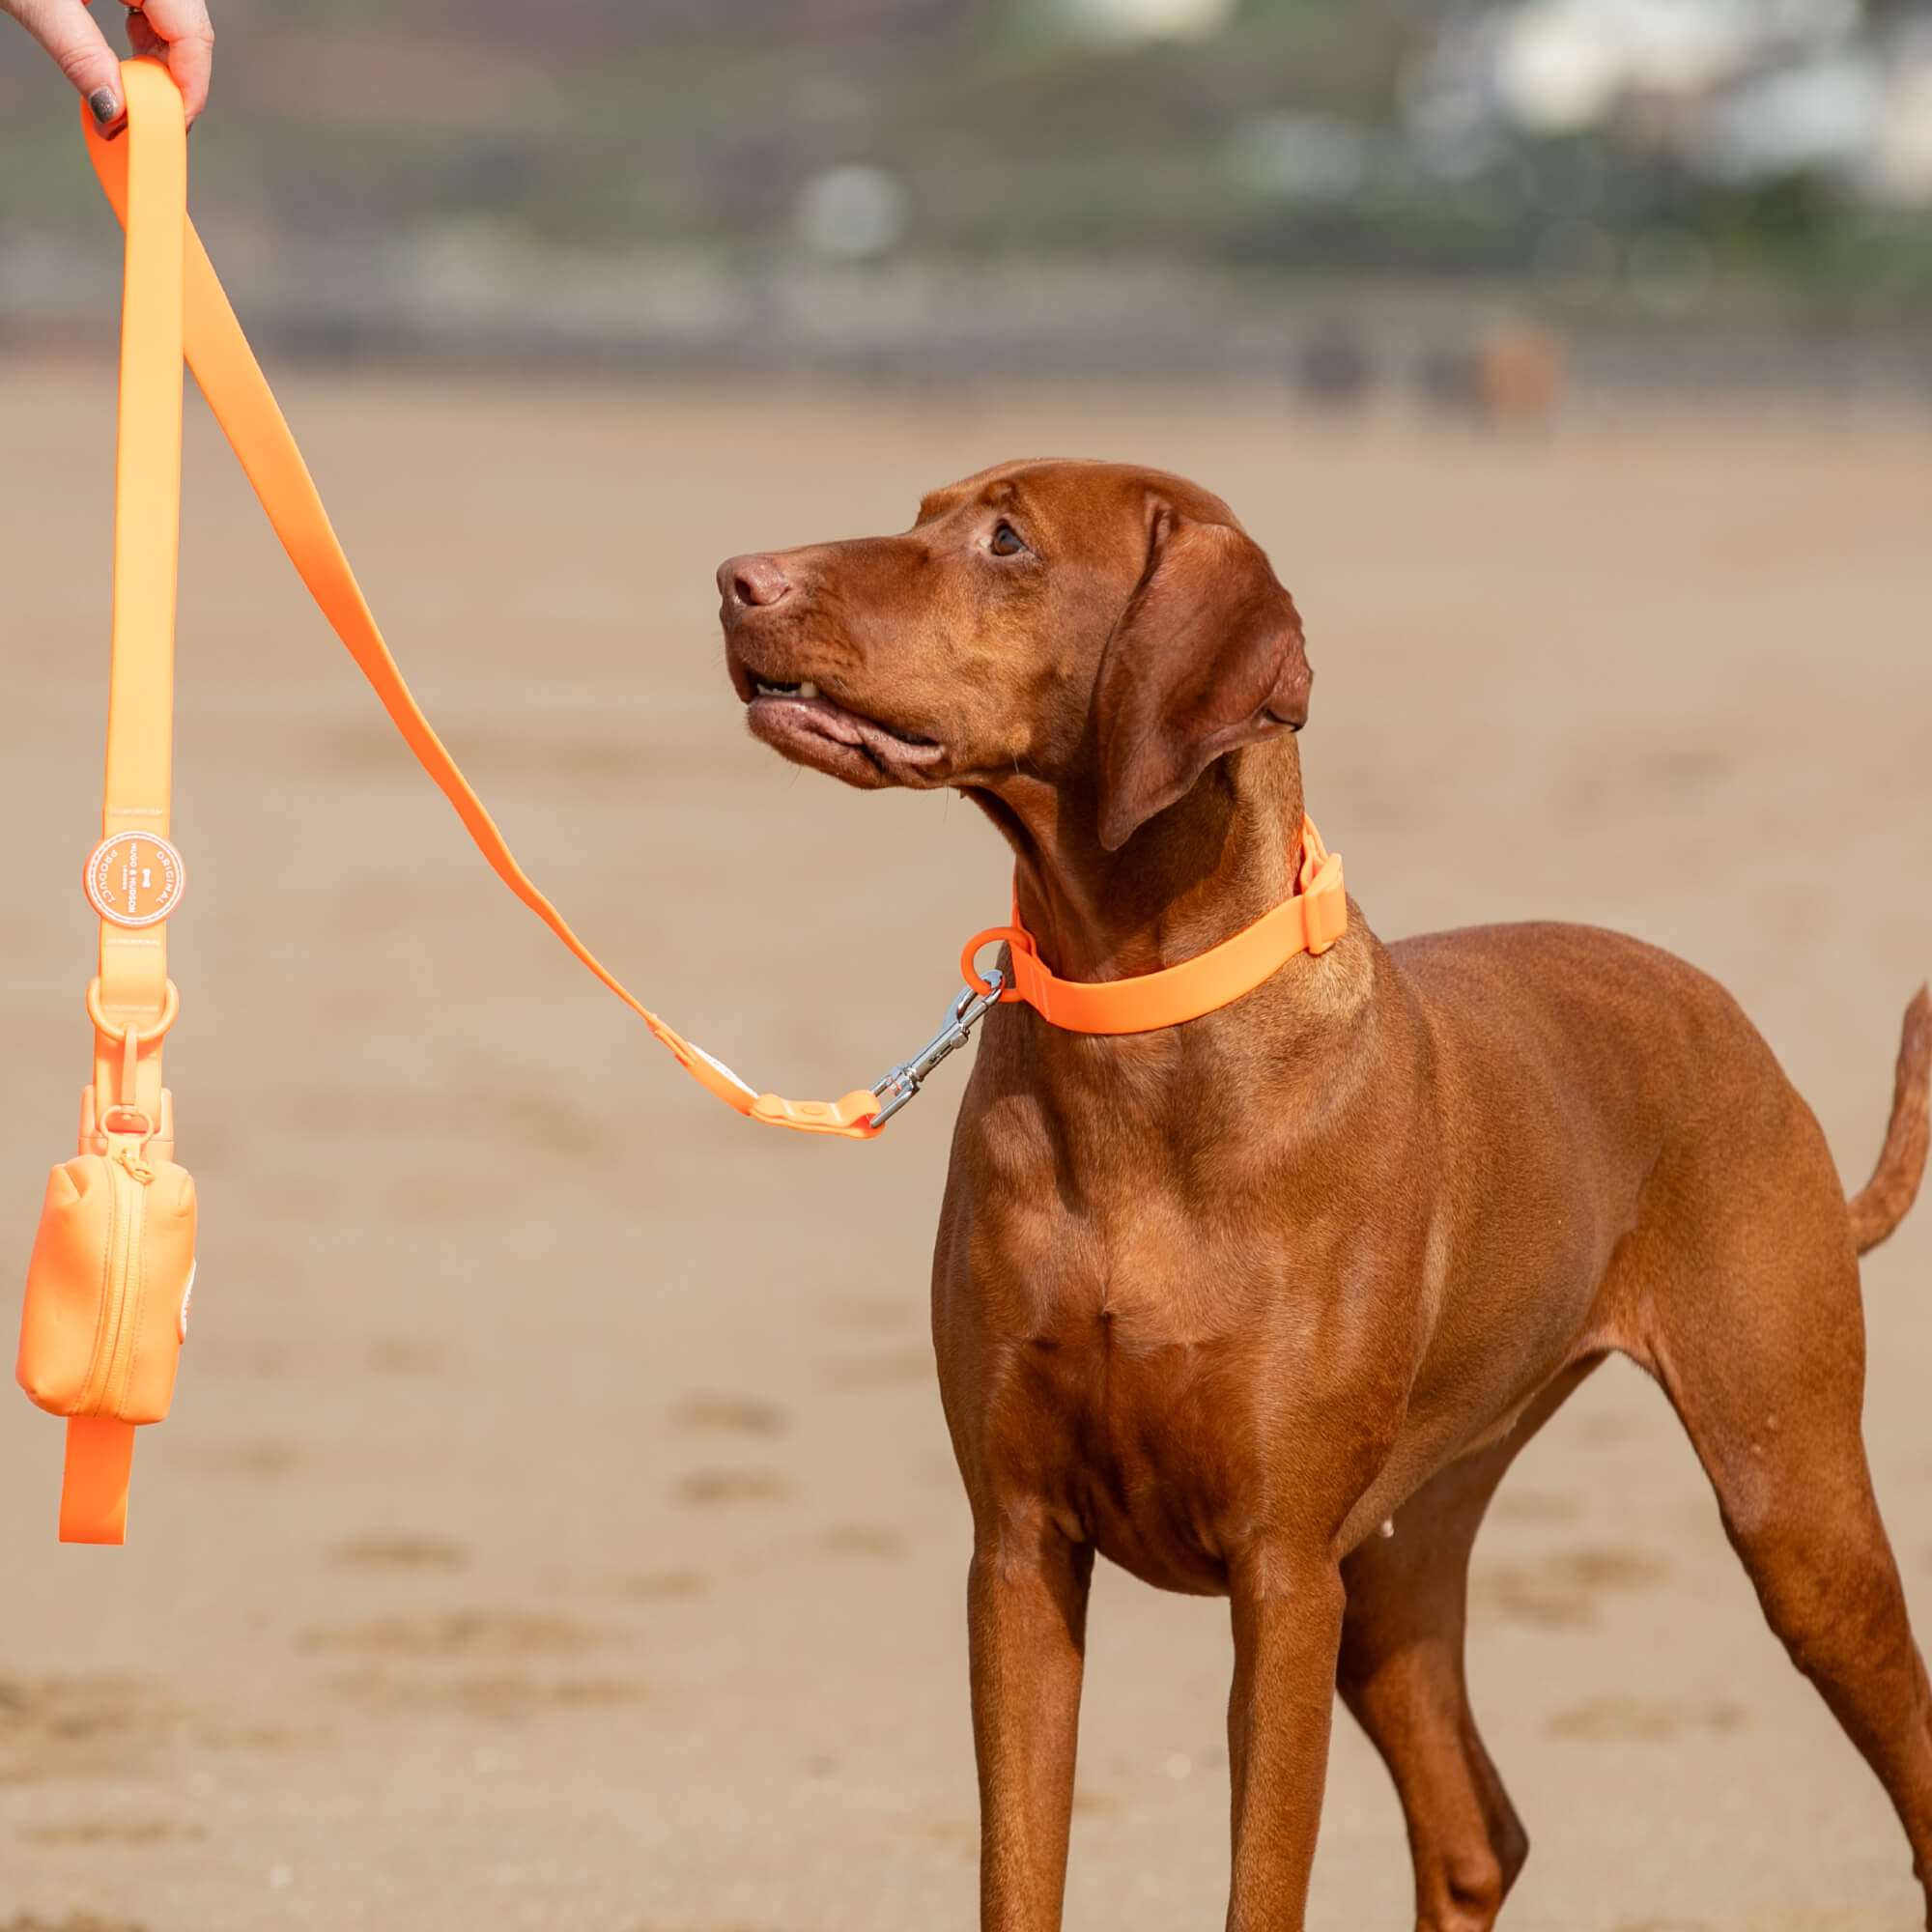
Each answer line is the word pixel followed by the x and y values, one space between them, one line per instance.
pixel 1264 1305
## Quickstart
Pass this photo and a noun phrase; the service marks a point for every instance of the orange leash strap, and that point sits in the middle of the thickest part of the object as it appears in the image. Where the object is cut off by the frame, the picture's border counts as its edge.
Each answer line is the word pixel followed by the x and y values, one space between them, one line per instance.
pixel 134 877
pixel 148 195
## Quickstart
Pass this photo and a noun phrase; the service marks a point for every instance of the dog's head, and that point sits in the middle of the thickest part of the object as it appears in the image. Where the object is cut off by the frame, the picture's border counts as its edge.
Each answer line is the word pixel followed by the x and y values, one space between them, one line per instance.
pixel 1105 631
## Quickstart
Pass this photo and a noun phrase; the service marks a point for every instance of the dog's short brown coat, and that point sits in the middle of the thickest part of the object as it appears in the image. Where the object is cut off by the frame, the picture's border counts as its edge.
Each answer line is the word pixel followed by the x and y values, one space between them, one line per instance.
pixel 1222 1300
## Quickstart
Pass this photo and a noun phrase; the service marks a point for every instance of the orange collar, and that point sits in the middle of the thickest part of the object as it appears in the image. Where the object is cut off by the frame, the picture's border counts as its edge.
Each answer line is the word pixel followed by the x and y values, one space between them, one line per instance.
pixel 1310 922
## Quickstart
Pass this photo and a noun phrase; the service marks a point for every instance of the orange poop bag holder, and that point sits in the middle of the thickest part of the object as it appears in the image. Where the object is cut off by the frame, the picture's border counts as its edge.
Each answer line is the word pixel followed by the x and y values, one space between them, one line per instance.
pixel 113 1265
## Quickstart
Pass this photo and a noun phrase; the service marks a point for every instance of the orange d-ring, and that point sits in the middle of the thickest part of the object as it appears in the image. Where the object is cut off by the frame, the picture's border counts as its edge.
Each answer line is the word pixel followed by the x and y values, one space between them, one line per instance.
pixel 108 1030
pixel 1015 937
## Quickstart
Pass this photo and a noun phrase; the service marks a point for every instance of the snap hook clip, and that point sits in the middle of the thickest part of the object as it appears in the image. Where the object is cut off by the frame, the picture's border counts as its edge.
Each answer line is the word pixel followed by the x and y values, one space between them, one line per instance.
pixel 972 1005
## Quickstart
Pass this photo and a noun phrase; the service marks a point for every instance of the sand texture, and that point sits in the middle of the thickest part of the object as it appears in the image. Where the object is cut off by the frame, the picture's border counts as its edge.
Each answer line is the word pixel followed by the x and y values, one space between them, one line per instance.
pixel 557 1527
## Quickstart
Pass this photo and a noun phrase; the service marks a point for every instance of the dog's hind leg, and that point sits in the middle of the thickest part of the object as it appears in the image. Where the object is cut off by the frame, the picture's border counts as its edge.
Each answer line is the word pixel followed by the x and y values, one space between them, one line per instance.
pixel 1400 1675
pixel 1755 1329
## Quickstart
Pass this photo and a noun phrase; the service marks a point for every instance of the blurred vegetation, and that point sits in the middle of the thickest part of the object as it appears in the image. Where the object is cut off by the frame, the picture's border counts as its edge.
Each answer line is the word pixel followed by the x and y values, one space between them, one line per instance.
pixel 694 124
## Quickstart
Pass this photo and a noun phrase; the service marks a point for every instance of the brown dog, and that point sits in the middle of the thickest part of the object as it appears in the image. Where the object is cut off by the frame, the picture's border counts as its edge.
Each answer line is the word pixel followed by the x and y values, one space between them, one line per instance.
pixel 1221 1300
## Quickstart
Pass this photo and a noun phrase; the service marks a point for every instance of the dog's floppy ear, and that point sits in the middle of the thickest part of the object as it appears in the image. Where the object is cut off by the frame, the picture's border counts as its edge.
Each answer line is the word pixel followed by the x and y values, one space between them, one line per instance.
pixel 1206 656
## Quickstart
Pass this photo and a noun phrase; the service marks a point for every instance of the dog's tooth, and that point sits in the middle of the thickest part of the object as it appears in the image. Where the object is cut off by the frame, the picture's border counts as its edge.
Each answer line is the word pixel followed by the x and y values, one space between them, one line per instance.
pixel 807 689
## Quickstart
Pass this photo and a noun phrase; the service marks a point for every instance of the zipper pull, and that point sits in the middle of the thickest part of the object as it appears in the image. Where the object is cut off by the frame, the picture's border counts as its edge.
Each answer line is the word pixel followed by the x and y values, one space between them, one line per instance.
pixel 128 1159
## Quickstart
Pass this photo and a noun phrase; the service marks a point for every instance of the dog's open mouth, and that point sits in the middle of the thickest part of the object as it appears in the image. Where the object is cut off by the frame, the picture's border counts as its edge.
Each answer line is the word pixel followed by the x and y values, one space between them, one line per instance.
pixel 802 723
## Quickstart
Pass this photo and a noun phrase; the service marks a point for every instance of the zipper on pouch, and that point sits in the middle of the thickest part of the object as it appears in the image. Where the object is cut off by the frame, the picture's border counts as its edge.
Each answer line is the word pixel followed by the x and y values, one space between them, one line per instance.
pixel 114 1338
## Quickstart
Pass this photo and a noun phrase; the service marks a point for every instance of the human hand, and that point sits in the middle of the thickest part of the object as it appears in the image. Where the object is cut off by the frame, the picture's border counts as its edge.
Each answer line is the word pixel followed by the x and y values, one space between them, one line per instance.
pixel 173 31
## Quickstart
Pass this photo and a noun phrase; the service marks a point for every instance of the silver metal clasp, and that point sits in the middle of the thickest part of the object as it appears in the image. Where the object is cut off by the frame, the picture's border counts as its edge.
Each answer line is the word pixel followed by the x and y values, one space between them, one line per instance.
pixel 966 1012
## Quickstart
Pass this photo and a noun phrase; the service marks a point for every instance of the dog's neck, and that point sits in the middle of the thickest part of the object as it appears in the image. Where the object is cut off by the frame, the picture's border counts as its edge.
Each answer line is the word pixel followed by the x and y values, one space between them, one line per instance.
pixel 1192 876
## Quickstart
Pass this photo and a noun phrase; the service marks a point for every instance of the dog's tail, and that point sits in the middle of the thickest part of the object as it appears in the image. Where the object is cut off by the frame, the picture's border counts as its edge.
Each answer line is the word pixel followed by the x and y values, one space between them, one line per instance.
pixel 1887 1198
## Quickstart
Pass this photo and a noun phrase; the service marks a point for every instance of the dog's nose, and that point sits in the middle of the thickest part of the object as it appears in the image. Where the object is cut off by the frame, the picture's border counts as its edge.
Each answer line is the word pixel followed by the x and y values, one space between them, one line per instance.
pixel 753 582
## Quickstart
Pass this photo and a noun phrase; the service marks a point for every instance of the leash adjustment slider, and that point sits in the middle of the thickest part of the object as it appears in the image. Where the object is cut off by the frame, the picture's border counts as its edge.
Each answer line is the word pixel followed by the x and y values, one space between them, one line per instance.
pixel 966 1012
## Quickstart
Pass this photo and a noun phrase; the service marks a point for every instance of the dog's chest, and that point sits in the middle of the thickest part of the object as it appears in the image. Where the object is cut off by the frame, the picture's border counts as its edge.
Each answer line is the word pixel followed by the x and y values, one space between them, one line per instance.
pixel 1139 1438
pixel 1112 1361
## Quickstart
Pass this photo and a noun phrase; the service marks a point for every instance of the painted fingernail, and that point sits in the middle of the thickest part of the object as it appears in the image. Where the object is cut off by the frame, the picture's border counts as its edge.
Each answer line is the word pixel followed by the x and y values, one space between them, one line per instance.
pixel 103 104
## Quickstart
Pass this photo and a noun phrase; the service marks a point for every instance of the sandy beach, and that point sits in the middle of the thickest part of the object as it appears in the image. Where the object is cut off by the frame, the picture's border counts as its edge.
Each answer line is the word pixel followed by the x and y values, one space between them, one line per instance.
pixel 557 1527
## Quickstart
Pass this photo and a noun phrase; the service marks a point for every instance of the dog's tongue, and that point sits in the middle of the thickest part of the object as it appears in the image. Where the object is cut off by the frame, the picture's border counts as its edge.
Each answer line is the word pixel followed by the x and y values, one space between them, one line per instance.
pixel 849 729
pixel 889 743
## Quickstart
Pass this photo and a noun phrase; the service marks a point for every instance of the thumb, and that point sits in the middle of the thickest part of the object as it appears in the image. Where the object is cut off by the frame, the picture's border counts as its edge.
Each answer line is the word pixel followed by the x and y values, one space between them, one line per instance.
pixel 80 49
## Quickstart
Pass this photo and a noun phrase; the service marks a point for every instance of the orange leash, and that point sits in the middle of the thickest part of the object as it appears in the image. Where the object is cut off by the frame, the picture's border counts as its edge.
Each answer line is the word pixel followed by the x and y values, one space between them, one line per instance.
pixel 243 405
pixel 109 1289
pixel 238 394
pixel 106 1306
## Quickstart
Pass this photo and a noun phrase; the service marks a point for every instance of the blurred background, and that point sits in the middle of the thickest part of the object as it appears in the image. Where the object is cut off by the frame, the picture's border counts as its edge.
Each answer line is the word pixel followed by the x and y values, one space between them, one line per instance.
pixel 1349 196
pixel 556 1530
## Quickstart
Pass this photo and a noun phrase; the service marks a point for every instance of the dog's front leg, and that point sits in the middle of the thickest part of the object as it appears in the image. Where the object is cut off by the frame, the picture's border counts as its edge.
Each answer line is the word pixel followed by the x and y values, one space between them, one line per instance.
pixel 1027 1618
pixel 1288 1630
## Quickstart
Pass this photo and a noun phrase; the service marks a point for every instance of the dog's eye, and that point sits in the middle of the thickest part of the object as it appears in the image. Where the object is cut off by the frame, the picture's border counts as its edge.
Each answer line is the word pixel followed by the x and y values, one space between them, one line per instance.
pixel 1007 540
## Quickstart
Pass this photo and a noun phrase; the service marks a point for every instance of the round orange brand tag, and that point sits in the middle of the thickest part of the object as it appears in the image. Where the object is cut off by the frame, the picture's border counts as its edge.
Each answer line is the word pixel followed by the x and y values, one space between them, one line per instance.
pixel 134 878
